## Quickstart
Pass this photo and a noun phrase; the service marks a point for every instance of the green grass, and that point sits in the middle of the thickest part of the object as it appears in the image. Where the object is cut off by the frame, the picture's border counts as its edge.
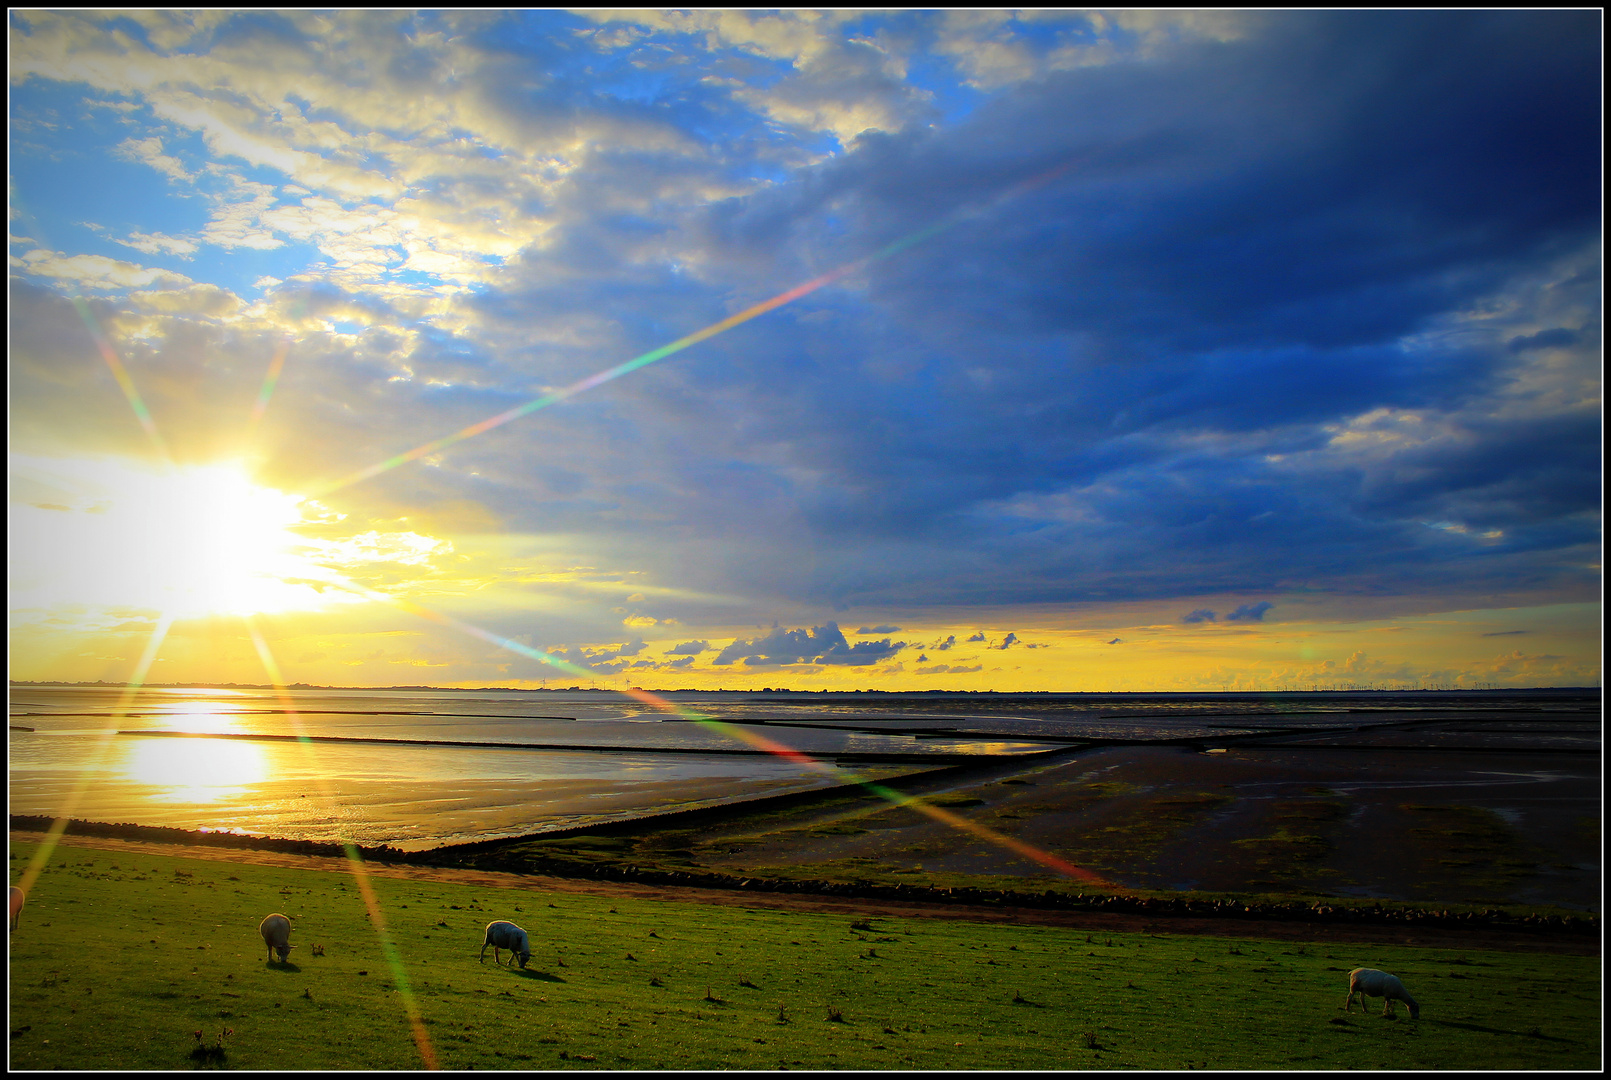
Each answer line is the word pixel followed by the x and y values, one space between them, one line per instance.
pixel 120 958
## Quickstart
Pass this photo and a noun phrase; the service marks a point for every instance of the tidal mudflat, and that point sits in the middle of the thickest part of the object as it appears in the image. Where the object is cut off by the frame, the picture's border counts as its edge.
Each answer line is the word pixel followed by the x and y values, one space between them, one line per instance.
pixel 1426 797
pixel 1484 800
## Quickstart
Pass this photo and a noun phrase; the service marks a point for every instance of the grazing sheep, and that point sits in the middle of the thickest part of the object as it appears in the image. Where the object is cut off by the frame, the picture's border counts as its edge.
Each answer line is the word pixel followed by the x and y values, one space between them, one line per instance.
pixel 506 935
pixel 276 931
pixel 16 905
pixel 1368 982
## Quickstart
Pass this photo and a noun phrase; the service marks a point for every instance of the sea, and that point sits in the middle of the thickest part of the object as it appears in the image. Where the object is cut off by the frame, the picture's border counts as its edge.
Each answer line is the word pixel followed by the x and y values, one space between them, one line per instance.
pixel 418 767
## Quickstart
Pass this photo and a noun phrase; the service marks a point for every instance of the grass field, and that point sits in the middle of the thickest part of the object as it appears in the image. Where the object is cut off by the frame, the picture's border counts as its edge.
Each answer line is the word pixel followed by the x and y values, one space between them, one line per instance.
pixel 121 958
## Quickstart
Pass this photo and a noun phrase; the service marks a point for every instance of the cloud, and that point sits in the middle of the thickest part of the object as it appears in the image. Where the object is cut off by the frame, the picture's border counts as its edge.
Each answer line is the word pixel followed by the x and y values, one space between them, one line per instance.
pixel 149 152
pixel 95 271
pixel 600 659
pixel 1555 338
pixel 1198 616
pixel 689 648
pixel 1116 641
pixel 978 637
pixel 1008 641
pixel 949 669
pixel 819 645
pixel 878 630
pixel 1250 612
pixel 159 244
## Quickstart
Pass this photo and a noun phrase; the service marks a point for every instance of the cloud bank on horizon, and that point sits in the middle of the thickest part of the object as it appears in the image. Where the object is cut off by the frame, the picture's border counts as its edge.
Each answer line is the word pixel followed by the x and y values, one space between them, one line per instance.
pixel 1266 314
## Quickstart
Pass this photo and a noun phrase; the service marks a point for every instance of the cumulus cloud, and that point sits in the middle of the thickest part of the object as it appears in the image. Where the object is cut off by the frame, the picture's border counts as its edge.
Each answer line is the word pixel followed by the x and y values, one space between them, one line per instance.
pixel 1199 616
pixel 819 645
pixel 95 271
pixel 1250 612
pixel 149 152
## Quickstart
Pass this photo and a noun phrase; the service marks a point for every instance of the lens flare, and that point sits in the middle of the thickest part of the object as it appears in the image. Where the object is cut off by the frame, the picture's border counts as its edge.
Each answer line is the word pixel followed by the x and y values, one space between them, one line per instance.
pixel 124 379
pixel 911 239
pixel 741 733
pixel 92 766
pixel 355 863
pixel 271 379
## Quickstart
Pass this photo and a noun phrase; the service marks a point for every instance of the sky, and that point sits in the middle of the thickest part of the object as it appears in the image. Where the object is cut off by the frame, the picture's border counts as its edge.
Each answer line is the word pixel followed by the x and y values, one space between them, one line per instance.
pixel 1047 350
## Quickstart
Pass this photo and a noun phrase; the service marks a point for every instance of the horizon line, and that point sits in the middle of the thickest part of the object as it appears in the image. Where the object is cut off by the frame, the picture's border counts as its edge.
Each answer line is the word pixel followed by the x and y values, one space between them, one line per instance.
pixel 202 685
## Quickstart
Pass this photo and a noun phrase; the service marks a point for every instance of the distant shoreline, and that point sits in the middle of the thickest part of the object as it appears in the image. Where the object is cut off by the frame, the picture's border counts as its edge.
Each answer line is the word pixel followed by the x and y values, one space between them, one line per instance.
pixel 773 694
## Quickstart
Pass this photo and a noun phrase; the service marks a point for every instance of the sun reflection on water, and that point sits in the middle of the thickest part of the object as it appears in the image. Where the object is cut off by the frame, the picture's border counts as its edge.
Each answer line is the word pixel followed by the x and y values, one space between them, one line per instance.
pixel 195 770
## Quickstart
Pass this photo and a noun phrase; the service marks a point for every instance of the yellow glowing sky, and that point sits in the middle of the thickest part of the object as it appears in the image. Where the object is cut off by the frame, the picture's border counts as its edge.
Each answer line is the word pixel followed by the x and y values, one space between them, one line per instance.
pixel 217 554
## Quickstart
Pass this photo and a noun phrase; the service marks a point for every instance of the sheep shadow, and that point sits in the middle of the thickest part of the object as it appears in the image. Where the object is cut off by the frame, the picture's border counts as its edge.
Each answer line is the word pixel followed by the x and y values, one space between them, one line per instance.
pixel 1534 1034
pixel 282 965
pixel 541 976
pixel 210 1057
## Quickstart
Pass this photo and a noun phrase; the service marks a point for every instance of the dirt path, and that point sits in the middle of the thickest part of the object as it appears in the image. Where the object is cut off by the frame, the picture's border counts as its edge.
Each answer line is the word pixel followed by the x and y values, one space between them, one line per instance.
pixel 1278 930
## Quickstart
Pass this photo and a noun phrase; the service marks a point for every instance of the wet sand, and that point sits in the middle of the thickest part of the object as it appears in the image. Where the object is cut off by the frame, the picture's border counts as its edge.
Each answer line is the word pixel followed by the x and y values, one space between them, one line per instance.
pixel 1448 827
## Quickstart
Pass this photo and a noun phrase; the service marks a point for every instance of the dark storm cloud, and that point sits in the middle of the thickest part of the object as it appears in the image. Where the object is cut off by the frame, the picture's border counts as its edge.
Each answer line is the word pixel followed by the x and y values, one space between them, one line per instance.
pixel 1171 334
pixel 1359 174
pixel 1163 340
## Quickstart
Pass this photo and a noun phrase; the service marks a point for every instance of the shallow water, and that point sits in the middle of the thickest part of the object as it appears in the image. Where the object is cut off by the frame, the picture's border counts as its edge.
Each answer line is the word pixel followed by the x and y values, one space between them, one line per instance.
pixel 85 758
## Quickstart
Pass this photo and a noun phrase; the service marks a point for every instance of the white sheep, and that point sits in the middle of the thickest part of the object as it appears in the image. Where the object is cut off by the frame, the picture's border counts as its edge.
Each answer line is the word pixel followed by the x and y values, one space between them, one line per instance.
pixel 506 935
pixel 1368 982
pixel 16 905
pixel 276 931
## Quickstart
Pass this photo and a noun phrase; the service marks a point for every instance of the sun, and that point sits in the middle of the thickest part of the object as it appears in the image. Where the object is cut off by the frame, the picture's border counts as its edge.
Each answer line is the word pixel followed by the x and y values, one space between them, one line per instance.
pixel 190 540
